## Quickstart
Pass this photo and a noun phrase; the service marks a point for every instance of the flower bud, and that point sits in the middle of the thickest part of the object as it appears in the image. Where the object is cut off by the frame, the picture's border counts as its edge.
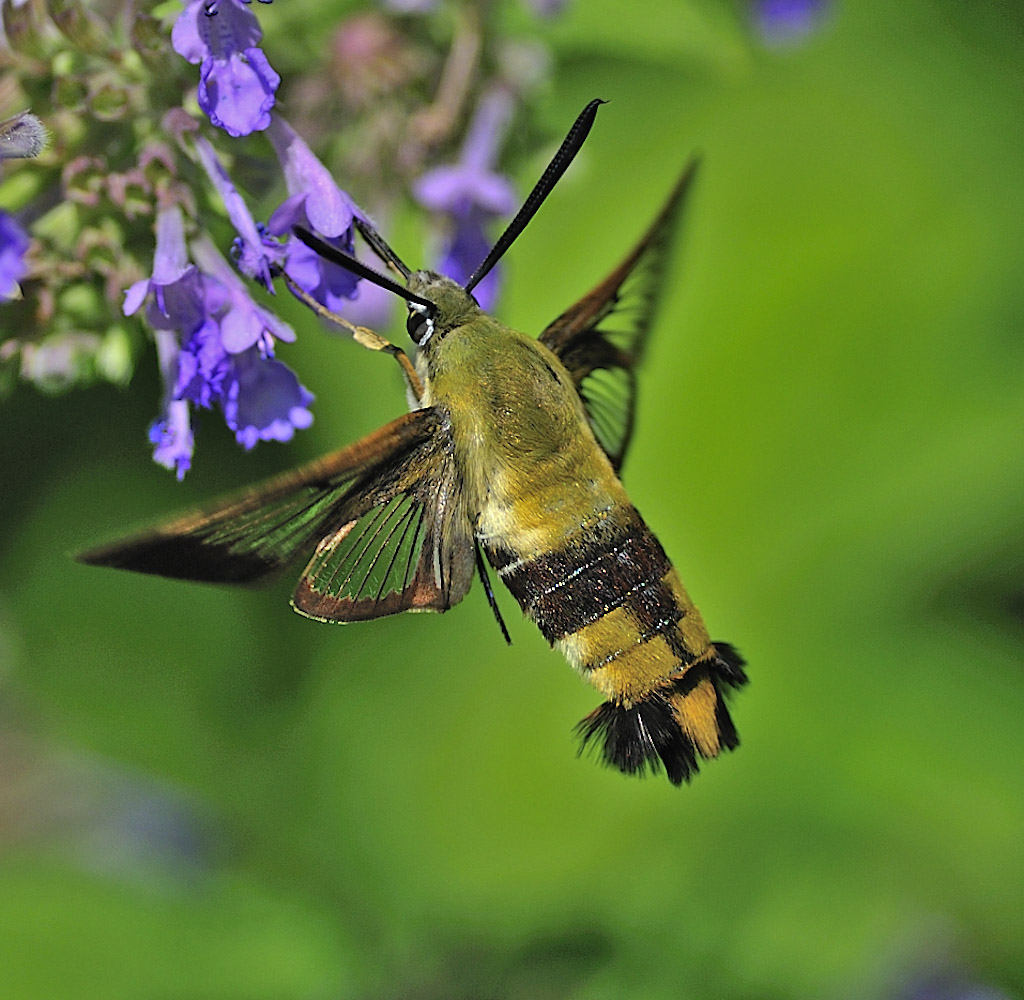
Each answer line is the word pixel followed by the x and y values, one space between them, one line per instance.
pixel 110 100
pixel 84 180
pixel 80 26
pixel 22 30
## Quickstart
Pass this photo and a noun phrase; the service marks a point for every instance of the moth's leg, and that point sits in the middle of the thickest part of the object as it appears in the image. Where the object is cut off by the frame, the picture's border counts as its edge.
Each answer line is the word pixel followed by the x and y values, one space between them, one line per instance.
pixel 364 336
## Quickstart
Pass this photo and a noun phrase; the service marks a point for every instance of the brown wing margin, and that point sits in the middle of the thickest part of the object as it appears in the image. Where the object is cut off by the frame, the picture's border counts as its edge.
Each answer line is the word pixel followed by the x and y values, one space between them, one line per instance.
pixel 601 338
pixel 249 535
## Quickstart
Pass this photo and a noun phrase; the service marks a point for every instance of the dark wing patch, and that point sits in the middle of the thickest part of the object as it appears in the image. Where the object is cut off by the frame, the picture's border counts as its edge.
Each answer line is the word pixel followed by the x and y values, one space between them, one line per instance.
pixel 253 533
pixel 601 338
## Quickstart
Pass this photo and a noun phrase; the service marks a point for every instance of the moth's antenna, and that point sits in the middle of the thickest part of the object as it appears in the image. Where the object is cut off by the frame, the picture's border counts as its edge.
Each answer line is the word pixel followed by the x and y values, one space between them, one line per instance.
pixel 380 247
pixel 342 259
pixel 558 165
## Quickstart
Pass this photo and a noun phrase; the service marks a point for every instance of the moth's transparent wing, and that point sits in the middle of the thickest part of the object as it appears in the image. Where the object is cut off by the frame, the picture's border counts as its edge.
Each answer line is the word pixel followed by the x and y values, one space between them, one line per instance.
pixel 408 546
pixel 601 338
pixel 253 533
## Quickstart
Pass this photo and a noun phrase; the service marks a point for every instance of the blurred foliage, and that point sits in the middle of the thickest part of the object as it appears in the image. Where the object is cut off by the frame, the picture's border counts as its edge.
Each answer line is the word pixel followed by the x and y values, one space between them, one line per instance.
pixel 203 795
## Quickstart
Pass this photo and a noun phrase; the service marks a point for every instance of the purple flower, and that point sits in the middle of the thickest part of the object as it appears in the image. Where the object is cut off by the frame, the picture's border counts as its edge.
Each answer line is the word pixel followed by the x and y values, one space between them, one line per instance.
pixel 331 285
pixel 242 322
pixel 200 367
pixel 257 256
pixel 787 22
pixel 236 83
pixel 13 244
pixel 233 364
pixel 261 398
pixel 215 346
pixel 264 401
pixel 316 202
pixel 329 209
pixel 176 287
pixel 175 309
pixel 172 439
pixel 171 434
pixel 466 248
pixel 471 194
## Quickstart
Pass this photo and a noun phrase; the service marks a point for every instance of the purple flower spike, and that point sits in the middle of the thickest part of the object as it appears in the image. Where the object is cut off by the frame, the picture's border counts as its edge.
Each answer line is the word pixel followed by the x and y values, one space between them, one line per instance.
pixel 236 83
pixel 472 180
pixel 471 194
pixel 13 244
pixel 175 309
pixel 230 360
pixel 261 398
pixel 215 347
pixel 316 202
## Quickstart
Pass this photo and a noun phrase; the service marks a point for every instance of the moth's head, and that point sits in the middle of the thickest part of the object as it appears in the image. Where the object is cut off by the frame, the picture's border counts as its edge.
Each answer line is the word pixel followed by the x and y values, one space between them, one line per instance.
pixel 450 306
pixel 437 304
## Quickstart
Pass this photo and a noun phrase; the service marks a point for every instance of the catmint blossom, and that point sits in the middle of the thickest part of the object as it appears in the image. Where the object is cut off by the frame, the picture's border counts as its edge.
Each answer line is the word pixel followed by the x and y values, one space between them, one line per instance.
pixel 216 348
pixel 255 255
pixel 236 83
pixel 13 244
pixel 316 202
pixel 261 398
pixel 171 434
pixel 175 309
pixel 174 292
pixel 471 193
pixel 264 401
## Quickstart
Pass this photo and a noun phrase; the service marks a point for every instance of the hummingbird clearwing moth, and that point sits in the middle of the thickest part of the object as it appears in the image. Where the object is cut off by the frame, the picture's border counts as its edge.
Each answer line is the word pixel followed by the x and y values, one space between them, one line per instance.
pixel 509 457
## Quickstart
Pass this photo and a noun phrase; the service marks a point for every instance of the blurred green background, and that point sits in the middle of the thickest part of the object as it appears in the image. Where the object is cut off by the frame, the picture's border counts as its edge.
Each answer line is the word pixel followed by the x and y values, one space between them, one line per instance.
pixel 204 795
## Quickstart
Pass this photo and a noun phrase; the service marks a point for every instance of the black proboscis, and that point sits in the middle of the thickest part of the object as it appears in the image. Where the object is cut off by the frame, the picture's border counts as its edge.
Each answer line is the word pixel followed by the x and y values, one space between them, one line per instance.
pixel 380 247
pixel 350 263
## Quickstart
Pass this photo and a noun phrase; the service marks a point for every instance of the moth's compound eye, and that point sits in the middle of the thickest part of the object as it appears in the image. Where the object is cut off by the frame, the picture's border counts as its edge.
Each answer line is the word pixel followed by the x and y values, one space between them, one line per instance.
pixel 419 324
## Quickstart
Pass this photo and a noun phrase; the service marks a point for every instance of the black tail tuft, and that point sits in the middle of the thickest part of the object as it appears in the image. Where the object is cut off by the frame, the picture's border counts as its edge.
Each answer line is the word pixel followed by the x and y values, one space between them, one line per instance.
pixel 640 738
pixel 729 665
pixel 674 725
